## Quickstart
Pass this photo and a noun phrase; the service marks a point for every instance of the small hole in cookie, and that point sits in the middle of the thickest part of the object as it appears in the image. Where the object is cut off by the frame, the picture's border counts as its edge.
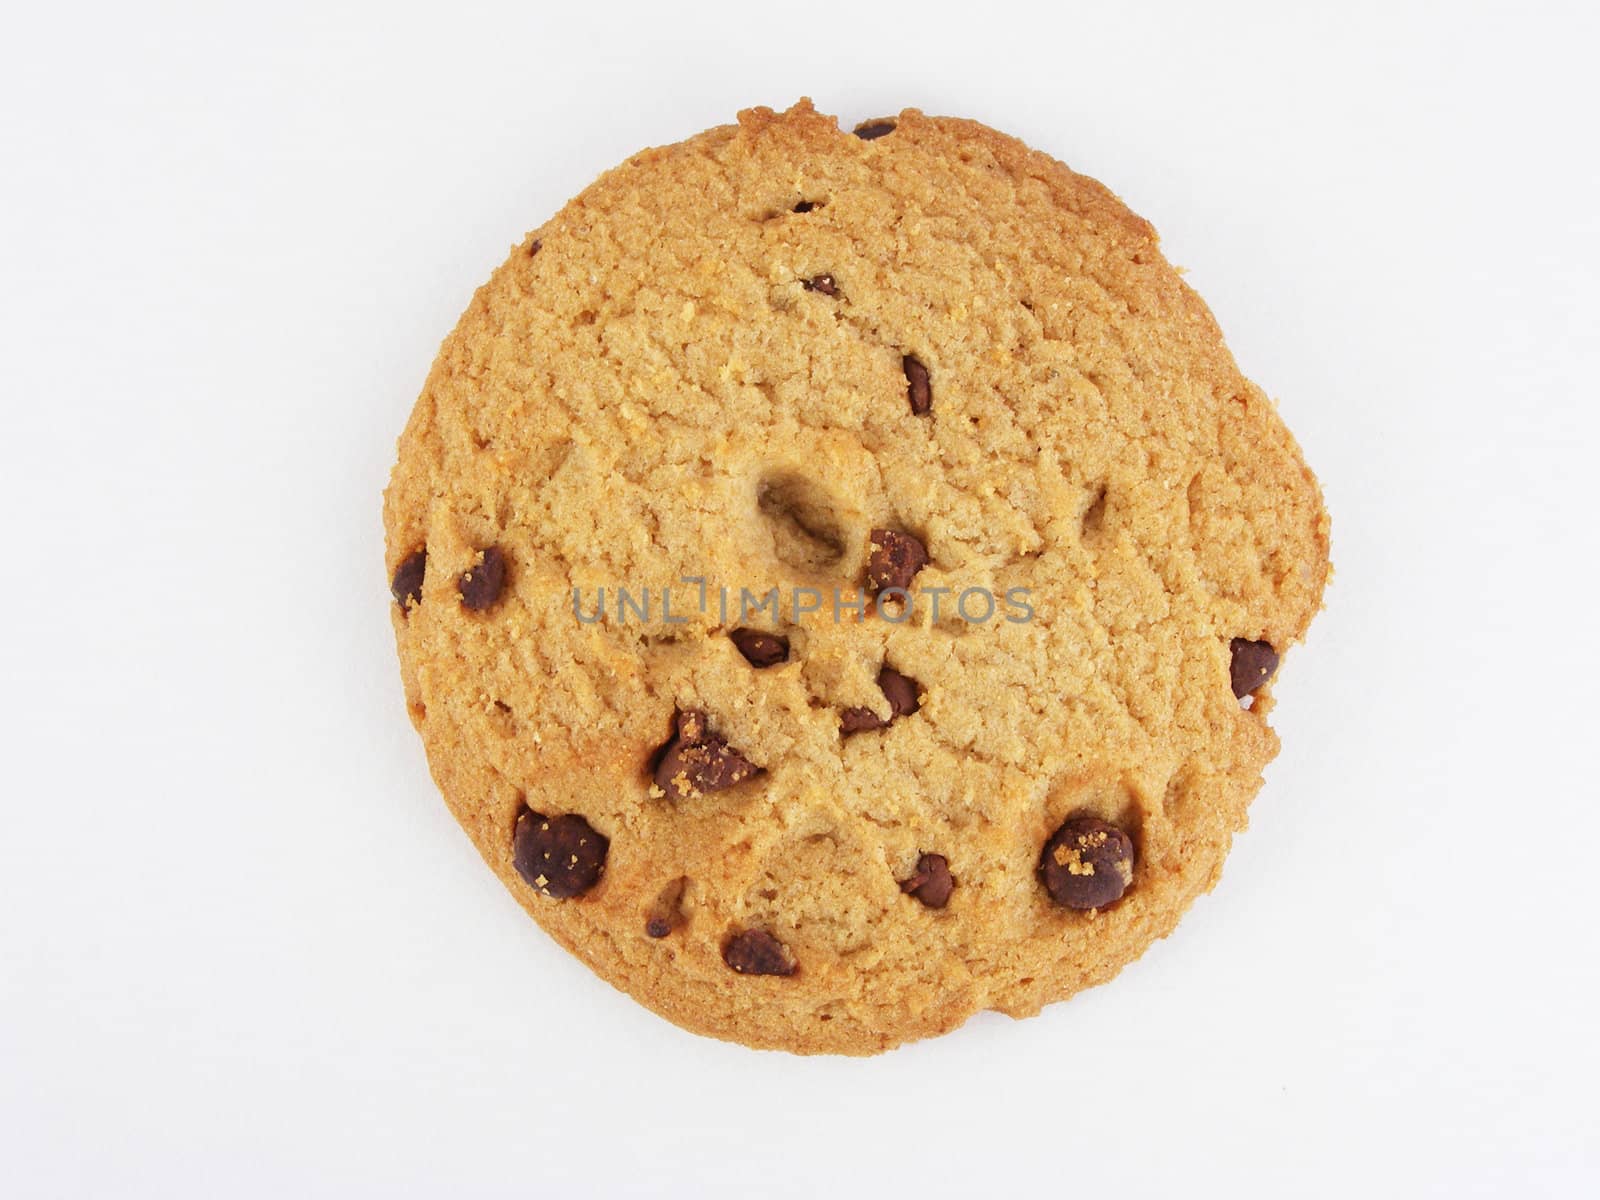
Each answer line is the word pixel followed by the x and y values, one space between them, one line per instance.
pixel 502 719
pixel 950 621
pixel 1094 517
pixel 805 531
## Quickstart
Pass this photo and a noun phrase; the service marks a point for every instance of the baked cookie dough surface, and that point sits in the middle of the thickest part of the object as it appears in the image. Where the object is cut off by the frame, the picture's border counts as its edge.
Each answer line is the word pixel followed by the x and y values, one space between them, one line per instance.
pixel 855 368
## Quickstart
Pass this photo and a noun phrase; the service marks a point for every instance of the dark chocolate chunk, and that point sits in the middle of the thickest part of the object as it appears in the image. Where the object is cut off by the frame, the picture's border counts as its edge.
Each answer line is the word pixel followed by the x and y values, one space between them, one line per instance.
pixel 901 690
pixel 931 881
pixel 1253 664
pixel 562 856
pixel 804 206
pixel 407 582
pixel 756 952
pixel 690 725
pixel 693 769
pixel 918 387
pixel 761 649
pixel 893 559
pixel 873 129
pixel 1087 863
pixel 859 720
pixel 480 583
pixel 698 761
pixel 821 283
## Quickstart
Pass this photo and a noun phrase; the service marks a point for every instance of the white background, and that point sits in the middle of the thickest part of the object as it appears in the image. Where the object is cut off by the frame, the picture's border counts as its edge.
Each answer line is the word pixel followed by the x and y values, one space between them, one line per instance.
pixel 244 951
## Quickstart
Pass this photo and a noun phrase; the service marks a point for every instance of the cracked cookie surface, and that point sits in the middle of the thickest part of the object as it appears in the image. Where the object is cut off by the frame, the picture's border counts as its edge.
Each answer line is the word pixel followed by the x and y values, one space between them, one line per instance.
pixel 783 356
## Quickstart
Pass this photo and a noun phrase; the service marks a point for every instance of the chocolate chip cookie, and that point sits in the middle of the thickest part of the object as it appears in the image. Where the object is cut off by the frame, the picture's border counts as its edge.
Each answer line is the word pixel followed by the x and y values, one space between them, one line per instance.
pixel 839 578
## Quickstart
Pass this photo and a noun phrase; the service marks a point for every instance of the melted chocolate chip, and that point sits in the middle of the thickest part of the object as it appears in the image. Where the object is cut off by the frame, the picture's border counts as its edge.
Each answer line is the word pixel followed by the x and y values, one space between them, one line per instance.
pixel 407 582
pixel 931 882
pixel 893 559
pixel 804 206
pixel 698 761
pixel 480 583
pixel 657 927
pixel 901 692
pixel 756 952
pixel 1253 664
pixel 561 857
pixel 693 769
pixel 874 129
pixel 761 649
pixel 821 283
pixel 537 246
pixel 918 388
pixel 859 720
pixel 1087 863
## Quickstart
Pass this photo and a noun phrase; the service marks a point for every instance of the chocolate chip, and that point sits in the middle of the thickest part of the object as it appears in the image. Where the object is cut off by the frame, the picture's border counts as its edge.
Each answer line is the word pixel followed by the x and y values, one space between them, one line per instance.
pixel 821 283
pixel 537 246
pixel 480 583
pixel 666 912
pixel 901 692
pixel 562 857
pixel 693 769
pixel 1087 863
pixel 918 388
pixel 698 761
pixel 691 725
pixel 859 720
pixel 756 952
pixel 407 582
pixel 931 882
pixel 761 649
pixel 804 206
pixel 874 129
pixel 893 559
pixel 1253 664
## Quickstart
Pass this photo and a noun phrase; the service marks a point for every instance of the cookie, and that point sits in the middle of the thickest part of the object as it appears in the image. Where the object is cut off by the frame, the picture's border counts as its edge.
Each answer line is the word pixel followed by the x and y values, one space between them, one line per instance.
pixel 839 579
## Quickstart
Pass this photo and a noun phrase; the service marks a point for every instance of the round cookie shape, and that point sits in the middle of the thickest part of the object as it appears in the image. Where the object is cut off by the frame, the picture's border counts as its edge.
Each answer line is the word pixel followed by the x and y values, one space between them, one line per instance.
pixel 840 578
